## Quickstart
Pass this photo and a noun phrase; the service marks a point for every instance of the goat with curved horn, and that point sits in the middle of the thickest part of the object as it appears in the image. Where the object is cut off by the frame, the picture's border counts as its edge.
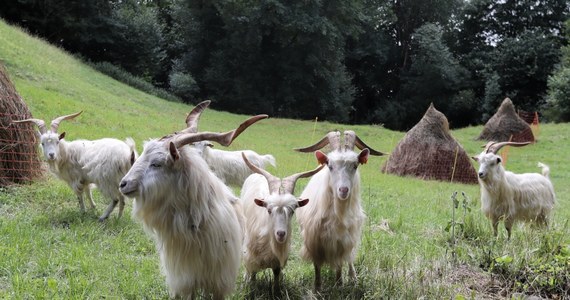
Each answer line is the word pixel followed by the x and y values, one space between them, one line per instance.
pixel 224 139
pixel 275 184
pixel 190 212
pixel 269 205
pixel 332 138
pixel 351 140
pixel 494 147
pixel 55 122
pixel 40 123
pixel 194 116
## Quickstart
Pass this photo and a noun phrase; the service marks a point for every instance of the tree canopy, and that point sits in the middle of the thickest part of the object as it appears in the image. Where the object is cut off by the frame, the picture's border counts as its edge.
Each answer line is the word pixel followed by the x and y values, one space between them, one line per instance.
pixel 359 61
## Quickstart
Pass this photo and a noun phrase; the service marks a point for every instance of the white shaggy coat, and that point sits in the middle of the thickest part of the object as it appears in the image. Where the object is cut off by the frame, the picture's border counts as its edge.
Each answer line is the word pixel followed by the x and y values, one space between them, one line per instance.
pixel 268 226
pixel 513 197
pixel 229 165
pixel 185 208
pixel 82 163
pixel 331 223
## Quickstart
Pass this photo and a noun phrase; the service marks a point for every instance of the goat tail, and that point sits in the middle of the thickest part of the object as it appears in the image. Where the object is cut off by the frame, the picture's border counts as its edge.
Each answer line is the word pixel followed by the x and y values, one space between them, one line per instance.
pixel 270 159
pixel 545 169
pixel 131 143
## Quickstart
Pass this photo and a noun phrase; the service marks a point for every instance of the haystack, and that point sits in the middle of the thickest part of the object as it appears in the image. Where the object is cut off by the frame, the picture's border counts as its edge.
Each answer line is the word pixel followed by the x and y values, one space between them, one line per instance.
pixel 506 125
pixel 428 151
pixel 19 159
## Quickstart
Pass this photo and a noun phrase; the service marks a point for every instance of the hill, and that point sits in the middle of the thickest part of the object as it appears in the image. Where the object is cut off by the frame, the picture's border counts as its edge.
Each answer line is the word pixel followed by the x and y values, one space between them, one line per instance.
pixel 50 250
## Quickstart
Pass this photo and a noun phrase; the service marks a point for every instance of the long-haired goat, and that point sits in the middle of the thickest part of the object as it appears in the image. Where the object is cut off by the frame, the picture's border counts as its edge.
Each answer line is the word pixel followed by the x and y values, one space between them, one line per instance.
pixel 527 197
pixel 269 205
pixel 331 224
pixel 184 207
pixel 81 163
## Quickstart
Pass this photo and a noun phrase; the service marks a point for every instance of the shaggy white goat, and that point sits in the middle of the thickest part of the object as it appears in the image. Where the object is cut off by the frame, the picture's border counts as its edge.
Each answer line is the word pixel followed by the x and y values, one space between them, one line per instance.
pixel 527 197
pixel 184 207
pixel 82 163
pixel 331 224
pixel 269 205
pixel 228 165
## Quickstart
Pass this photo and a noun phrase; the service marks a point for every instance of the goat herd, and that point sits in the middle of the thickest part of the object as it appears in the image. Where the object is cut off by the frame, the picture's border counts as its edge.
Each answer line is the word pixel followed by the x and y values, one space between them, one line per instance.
pixel 203 232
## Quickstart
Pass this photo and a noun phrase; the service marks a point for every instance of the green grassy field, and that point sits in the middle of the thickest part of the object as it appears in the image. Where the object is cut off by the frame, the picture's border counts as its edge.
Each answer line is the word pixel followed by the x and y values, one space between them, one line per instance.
pixel 49 250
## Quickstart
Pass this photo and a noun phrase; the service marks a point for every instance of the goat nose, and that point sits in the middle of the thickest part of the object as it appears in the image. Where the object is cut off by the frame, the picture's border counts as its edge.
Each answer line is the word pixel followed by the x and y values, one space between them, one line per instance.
pixel 480 174
pixel 281 233
pixel 123 183
pixel 51 155
pixel 343 190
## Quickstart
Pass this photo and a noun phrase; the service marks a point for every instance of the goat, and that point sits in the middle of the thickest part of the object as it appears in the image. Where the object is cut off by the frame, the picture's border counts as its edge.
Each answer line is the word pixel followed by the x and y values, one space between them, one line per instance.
pixel 184 207
pixel 527 197
pixel 269 205
pixel 331 224
pixel 82 163
pixel 228 165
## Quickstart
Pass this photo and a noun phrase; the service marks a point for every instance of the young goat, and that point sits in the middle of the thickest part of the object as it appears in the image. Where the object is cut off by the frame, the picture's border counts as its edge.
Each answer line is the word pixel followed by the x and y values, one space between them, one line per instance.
pixel 228 165
pixel 331 224
pixel 513 197
pixel 269 205
pixel 81 163
pixel 185 208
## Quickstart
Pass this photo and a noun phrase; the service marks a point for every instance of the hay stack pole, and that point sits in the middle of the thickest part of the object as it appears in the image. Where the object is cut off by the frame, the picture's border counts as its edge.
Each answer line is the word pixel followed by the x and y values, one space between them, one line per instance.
pixel 428 151
pixel 506 125
pixel 19 159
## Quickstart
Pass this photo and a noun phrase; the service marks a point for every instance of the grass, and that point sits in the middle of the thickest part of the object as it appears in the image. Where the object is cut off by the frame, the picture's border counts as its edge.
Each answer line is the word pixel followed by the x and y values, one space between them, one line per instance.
pixel 49 250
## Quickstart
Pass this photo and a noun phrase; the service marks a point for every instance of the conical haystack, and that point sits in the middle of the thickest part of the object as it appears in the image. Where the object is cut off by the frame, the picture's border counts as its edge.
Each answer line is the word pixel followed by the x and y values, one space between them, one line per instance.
pixel 19 159
pixel 428 151
pixel 506 125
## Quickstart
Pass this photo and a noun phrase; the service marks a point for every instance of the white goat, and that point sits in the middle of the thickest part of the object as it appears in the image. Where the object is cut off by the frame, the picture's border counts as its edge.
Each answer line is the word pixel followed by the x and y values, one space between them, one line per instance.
pixel 228 165
pixel 527 197
pixel 184 207
pixel 269 205
pixel 82 163
pixel 331 224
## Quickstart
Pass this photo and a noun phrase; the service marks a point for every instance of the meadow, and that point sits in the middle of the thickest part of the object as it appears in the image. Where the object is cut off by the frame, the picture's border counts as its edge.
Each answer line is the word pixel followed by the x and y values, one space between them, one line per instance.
pixel 50 250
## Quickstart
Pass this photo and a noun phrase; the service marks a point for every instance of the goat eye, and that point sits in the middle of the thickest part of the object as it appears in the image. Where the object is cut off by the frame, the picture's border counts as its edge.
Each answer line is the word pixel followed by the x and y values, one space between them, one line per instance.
pixel 330 167
pixel 269 211
pixel 155 165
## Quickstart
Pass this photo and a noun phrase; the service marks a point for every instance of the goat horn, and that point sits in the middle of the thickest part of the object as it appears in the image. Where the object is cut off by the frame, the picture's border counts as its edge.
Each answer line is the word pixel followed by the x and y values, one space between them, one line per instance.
pixel 40 123
pixel 56 121
pixel 194 116
pixel 273 181
pixel 332 138
pixel 494 147
pixel 224 139
pixel 289 181
pixel 361 145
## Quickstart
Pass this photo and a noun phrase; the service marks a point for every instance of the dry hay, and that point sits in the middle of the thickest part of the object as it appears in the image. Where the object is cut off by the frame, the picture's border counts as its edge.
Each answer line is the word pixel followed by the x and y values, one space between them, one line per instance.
pixel 428 151
pixel 506 125
pixel 19 159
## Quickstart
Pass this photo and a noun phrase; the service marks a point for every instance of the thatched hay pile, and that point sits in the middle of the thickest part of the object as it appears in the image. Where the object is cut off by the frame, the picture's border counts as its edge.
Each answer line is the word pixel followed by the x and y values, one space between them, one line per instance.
pixel 506 125
pixel 19 159
pixel 428 151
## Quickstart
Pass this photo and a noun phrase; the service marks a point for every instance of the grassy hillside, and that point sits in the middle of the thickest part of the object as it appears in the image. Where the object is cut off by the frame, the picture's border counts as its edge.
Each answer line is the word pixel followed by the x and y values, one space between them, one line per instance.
pixel 49 250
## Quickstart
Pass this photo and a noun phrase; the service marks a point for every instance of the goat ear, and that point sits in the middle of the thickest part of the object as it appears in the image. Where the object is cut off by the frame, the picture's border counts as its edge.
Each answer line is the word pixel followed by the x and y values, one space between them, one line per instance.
pixel 499 160
pixel 302 202
pixel 173 151
pixel 260 202
pixel 62 136
pixel 321 157
pixel 210 145
pixel 363 156
pixel 475 158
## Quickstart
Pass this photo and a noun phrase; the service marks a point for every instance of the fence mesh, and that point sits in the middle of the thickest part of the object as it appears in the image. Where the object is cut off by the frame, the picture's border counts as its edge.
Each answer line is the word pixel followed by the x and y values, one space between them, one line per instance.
pixel 19 159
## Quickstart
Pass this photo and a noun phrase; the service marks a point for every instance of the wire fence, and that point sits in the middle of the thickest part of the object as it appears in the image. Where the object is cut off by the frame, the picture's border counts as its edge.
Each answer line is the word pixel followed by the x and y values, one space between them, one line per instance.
pixel 19 159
